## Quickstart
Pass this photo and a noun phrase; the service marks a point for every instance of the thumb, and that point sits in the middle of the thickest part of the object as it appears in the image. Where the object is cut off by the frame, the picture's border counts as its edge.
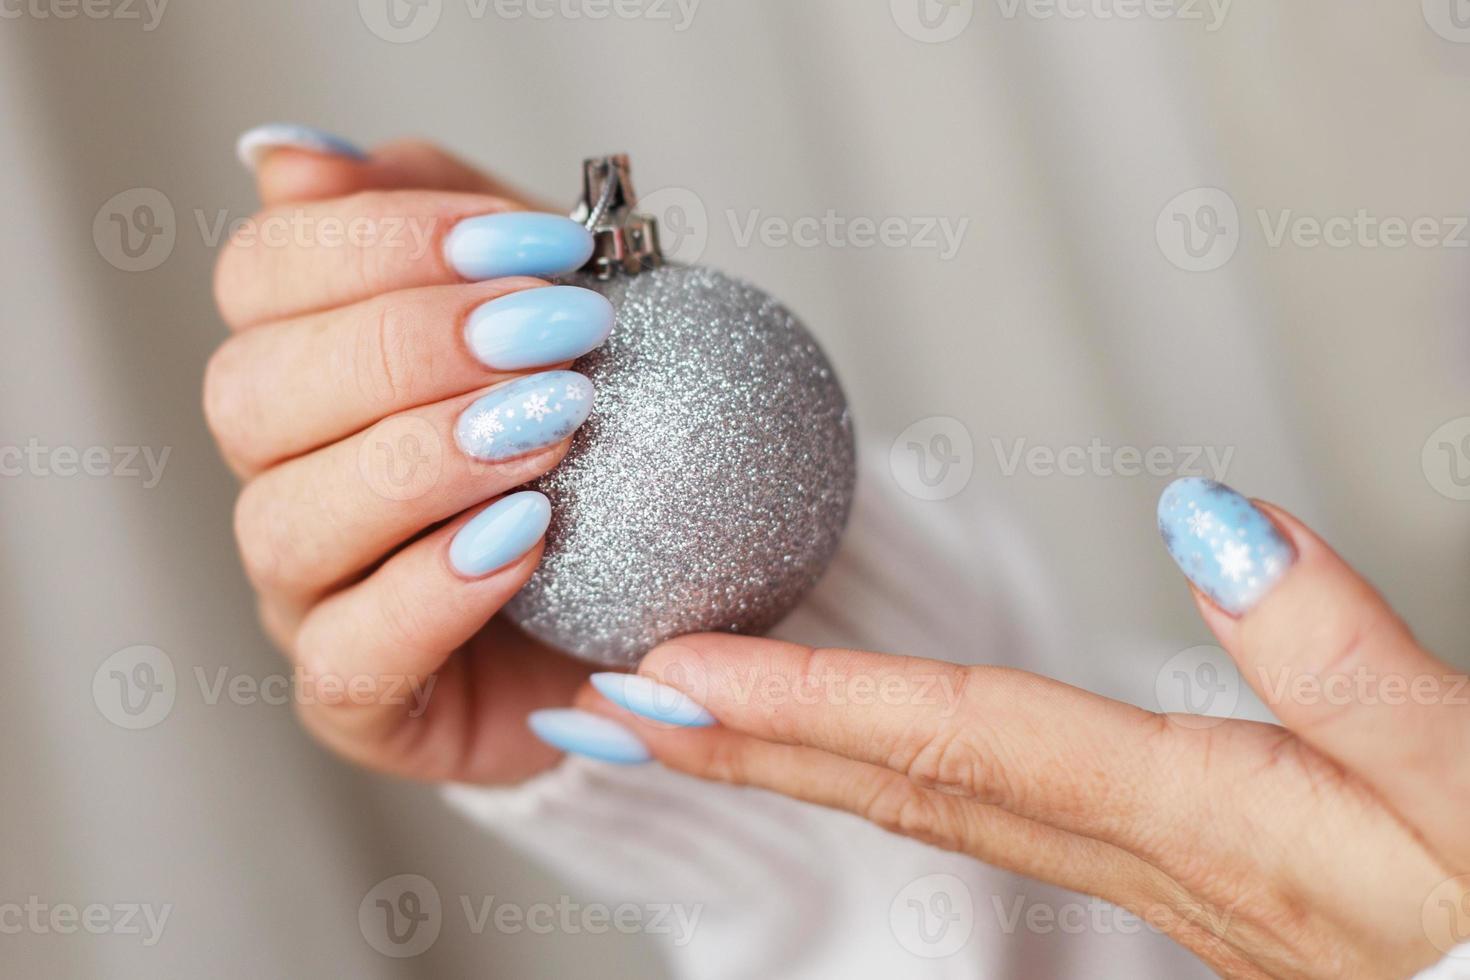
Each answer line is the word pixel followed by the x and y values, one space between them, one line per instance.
pixel 298 164
pixel 1329 656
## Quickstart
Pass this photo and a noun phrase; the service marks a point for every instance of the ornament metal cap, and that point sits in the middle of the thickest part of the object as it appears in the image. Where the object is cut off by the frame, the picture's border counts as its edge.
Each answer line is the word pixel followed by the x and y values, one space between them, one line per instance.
pixel 624 242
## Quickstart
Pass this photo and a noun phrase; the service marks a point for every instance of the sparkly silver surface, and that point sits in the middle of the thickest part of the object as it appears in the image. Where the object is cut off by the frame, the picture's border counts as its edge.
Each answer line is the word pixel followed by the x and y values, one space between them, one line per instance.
pixel 710 486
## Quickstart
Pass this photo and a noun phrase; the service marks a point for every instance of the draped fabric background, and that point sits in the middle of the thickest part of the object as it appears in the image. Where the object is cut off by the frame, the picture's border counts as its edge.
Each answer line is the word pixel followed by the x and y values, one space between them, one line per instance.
pixel 1062 317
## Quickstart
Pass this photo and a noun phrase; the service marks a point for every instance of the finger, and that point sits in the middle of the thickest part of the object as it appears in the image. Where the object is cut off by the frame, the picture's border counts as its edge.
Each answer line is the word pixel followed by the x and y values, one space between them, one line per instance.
pixel 1003 738
pixel 898 805
pixel 318 520
pixel 369 656
pixel 285 388
pixel 1327 654
pixel 294 259
pixel 295 163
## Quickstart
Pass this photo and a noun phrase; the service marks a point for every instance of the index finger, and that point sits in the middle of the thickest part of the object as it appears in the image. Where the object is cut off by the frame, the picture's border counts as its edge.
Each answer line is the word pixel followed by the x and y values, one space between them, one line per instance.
pixel 301 258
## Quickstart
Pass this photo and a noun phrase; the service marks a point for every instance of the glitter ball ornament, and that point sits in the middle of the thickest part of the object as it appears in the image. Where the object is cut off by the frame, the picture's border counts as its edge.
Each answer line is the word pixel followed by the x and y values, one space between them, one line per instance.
pixel 710 486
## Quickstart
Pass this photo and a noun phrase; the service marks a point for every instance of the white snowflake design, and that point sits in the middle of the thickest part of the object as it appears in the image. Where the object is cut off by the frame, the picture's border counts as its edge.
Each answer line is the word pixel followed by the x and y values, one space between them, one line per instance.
pixel 1235 560
pixel 574 394
pixel 484 426
pixel 1201 523
pixel 535 407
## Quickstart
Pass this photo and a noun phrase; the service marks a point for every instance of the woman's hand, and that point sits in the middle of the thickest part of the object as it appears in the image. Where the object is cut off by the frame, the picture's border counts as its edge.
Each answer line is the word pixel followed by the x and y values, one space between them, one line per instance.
pixel 1335 845
pixel 390 374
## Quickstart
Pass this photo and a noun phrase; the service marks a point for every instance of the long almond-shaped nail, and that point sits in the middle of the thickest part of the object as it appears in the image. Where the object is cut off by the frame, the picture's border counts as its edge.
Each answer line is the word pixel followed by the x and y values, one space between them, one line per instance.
pixel 500 533
pixel 536 327
pixel 254 144
pixel 583 733
pixel 517 243
pixel 649 699
pixel 525 415
pixel 1228 548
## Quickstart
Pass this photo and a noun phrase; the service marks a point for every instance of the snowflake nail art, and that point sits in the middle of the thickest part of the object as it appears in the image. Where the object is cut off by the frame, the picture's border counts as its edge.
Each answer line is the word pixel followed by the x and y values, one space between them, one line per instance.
pixel 1231 551
pixel 526 415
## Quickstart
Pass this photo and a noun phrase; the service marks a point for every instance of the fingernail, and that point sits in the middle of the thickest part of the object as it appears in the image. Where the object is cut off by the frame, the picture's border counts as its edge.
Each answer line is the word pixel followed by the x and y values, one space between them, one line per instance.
pixel 500 533
pixel 254 144
pixel 536 327
pixel 519 243
pixel 583 733
pixel 649 699
pixel 525 415
pixel 1231 551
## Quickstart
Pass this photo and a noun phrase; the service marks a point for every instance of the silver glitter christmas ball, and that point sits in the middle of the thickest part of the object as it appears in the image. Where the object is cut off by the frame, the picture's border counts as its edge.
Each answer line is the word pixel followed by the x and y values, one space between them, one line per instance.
pixel 711 484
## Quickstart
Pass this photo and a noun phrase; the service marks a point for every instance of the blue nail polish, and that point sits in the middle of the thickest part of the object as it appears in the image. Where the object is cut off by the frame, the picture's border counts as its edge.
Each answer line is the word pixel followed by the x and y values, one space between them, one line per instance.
pixel 500 533
pixel 583 733
pixel 525 415
pixel 254 144
pixel 1231 551
pixel 649 699
pixel 537 327
pixel 518 243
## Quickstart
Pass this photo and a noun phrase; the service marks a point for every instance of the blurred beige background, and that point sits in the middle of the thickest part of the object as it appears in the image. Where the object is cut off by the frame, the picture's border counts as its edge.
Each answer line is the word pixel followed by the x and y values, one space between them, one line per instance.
pixel 1063 316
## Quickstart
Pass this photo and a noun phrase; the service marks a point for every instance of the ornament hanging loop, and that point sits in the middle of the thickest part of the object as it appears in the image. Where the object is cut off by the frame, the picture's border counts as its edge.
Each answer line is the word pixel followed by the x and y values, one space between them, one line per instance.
pixel 625 242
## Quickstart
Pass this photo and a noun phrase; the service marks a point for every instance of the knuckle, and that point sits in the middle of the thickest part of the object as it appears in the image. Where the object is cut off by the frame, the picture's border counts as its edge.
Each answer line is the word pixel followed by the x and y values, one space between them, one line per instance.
pixel 384 360
pixel 952 761
pixel 263 536
pixel 227 404
pixel 900 807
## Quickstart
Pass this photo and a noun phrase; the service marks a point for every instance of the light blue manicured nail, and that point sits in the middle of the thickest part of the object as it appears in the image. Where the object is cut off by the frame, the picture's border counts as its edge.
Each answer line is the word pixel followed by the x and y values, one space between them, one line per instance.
pixel 254 144
pixel 1229 549
pixel 519 243
pixel 652 700
pixel 583 733
pixel 525 415
pixel 500 533
pixel 537 327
